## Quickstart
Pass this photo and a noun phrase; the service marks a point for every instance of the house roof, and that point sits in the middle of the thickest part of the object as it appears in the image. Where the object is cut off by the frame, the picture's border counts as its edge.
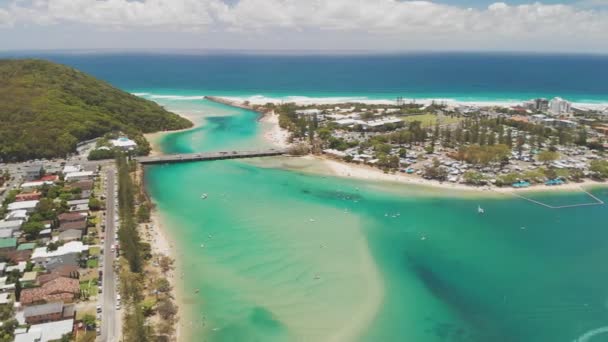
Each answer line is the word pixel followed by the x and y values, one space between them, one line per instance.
pixel 16 215
pixel 8 242
pixel 22 205
pixel 47 331
pixel 69 248
pixel 55 290
pixel 73 225
pixel 43 309
pixel 70 234
pixel 71 217
pixel 26 246
pixel 79 201
pixel 11 224
pixel 69 271
pixel 29 276
pixel 5 298
pixel 57 263
pixel 6 233
pixel 49 178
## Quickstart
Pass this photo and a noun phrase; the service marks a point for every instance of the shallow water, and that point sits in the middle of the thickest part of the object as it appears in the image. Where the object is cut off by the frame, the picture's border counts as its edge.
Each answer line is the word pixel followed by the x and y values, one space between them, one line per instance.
pixel 282 255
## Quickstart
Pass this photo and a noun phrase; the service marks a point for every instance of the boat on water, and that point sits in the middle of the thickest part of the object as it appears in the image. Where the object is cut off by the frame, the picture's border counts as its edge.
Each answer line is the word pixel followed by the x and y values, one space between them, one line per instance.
pixel 204 196
pixel 480 210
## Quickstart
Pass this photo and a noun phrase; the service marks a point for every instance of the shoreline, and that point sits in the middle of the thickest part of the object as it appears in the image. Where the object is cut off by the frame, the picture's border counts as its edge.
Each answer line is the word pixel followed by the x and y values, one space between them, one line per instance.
pixel 278 136
pixel 365 172
pixel 379 99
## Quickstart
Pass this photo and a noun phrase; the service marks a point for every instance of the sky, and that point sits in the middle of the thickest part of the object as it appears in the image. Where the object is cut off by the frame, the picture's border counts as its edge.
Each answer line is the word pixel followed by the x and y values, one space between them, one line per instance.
pixel 579 26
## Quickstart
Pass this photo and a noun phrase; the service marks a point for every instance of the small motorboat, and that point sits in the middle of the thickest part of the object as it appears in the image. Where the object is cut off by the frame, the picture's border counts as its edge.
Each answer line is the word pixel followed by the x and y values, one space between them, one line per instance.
pixel 204 196
pixel 480 210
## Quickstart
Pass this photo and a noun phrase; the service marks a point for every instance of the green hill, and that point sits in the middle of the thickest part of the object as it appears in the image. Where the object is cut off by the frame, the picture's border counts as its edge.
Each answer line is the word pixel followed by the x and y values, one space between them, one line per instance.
pixel 46 108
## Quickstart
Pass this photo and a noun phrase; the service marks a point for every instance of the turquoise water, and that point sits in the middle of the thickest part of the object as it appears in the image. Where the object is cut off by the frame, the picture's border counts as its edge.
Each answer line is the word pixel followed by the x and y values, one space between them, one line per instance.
pixel 285 255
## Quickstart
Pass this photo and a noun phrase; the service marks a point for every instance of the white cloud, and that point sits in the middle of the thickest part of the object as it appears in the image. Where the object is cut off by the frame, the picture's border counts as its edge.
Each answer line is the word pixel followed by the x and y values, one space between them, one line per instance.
pixel 397 20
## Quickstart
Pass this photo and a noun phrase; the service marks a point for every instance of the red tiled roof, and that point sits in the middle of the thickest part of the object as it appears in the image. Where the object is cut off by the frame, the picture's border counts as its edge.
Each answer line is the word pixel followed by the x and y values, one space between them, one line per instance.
pixel 57 289
pixel 49 178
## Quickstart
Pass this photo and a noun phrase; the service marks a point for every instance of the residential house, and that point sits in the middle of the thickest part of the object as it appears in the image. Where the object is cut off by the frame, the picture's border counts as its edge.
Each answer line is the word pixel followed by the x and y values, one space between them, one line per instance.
pixel 59 263
pixel 28 278
pixel 7 245
pixel 28 196
pixel 85 186
pixel 65 271
pixel 33 172
pixel 6 298
pixel 78 225
pixel 28 186
pixel 70 235
pixel 60 289
pixel 49 312
pixel 42 254
pixel 11 226
pixel 28 206
pixel 45 332
pixel 17 215
pixel 71 217
pixel 79 176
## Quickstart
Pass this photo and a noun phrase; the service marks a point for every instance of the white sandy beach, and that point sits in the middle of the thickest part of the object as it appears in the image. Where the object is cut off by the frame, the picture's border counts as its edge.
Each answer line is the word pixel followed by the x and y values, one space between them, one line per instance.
pixel 307 101
pixel 273 133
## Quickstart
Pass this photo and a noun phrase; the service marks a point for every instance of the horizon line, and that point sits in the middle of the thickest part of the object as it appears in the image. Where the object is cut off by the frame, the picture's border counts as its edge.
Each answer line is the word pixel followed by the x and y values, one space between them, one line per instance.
pixel 290 52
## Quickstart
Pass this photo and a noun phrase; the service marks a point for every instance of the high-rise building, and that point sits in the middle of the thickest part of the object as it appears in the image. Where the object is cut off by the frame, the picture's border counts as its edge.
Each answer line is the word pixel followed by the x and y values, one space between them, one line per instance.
pixel 541 105
pixel 559 106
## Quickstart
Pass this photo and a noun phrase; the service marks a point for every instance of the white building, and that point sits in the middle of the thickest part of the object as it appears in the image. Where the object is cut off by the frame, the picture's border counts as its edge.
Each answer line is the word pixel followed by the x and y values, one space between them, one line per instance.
pixel 11 226
pixel 124 143
pixel 52 331
pixel 42 253
pixel 17 215
pixel 28 206
pixel 78 176
pixel 71 168
pixel 34 185
pixel 559 106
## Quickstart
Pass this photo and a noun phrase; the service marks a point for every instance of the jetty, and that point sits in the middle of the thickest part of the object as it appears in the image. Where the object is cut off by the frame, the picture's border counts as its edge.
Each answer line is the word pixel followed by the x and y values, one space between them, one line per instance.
pixel 208 156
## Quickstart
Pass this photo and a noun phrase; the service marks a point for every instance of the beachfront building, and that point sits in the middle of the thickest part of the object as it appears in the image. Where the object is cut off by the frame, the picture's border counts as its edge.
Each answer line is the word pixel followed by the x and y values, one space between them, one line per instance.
pixel 124 144
pixel 559 106
pixel 538 105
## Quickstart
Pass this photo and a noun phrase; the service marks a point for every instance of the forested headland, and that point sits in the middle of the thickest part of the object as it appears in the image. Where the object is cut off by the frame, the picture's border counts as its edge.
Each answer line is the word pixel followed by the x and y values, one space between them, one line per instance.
pixel 47 108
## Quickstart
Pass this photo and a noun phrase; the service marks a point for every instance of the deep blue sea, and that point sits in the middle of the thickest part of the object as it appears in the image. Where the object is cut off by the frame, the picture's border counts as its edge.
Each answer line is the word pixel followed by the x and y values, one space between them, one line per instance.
pixel 457 76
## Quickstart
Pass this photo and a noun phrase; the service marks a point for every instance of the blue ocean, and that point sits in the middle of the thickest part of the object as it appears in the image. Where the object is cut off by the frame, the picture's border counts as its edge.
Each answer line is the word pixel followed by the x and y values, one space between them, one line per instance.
pixel 455 76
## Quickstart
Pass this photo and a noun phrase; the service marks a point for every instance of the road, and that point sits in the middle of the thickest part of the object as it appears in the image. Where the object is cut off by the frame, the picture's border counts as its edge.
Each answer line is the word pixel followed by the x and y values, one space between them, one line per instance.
pixel 109 331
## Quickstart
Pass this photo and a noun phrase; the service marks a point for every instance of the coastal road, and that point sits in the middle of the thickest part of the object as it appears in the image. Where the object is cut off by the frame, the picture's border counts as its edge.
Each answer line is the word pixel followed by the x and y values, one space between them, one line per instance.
pixel 109 331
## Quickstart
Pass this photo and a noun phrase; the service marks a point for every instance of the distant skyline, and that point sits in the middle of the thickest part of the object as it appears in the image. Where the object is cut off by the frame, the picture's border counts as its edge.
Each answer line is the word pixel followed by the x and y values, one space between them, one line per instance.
pixel 319 25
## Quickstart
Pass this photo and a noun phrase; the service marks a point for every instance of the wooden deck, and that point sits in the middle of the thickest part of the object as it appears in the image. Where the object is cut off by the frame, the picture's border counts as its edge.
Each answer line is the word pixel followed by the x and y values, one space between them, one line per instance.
pixel 191 157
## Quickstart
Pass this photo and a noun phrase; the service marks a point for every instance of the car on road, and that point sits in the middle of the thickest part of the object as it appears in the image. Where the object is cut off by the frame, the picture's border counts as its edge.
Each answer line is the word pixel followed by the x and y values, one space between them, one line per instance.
pixel 98 308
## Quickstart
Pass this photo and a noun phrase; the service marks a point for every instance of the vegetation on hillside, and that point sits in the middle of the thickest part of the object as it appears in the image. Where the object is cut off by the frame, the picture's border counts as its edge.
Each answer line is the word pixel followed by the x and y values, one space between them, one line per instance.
pixel 47 108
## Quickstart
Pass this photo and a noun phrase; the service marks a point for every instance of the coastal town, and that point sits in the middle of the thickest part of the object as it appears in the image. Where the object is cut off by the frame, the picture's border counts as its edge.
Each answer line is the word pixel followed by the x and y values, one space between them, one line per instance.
pixel 63 269
pixel 79 248
pixel 537 142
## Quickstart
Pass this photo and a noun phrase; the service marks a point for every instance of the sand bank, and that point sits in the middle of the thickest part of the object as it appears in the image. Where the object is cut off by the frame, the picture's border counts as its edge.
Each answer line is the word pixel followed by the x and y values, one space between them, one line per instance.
pixel 273 133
